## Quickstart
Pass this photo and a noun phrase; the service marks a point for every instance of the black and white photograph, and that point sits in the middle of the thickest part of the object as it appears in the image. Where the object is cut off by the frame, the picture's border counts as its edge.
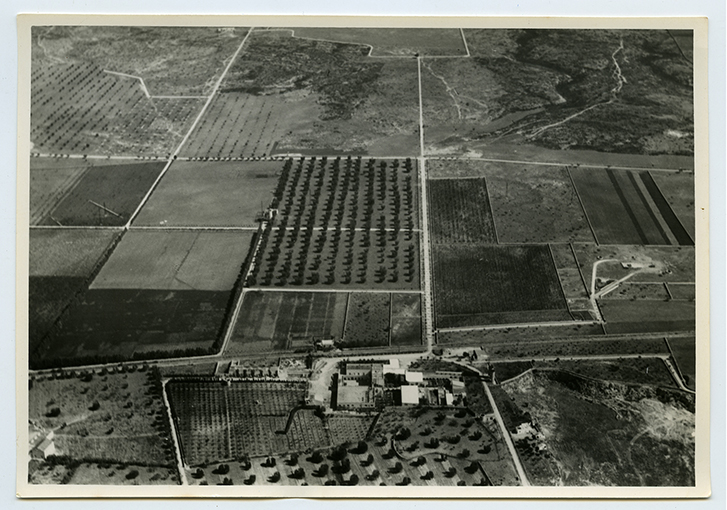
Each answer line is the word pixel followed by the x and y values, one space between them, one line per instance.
pixel 369 259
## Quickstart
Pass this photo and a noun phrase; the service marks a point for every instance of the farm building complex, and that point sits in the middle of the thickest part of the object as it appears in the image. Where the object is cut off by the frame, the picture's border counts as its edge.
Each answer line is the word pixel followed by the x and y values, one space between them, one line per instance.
pixel 364 257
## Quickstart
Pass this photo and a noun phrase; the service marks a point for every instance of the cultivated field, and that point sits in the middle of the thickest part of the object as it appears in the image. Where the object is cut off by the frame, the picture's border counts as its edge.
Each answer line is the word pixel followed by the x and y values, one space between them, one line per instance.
pixel 571 281
pixel 678 189
pixel 108 416
pixel 272 321
pixel 219 194
pixel 398 42
pixel 520 281
pixel 176 260
pixel 535 204
pixel 278 321
pixel 81 109
pixel 102 195
pixel 587 426
pixel 367 320
pixel 108 325
pixel 348 193
pixel 627 208
pixel 460 211
pixel 685 356
pixel 647 315
pixel 240 420
pixel 172 61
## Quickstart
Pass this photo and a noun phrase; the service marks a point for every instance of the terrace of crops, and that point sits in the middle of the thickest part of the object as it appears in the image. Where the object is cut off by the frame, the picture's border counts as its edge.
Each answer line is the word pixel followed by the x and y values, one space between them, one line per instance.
pixel 271 321
pixel 226 420
pixel 485 284
pixel 342 223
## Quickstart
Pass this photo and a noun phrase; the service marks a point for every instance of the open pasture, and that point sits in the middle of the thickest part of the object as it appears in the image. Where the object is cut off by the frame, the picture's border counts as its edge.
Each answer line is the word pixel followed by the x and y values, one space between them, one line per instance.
pixel 627 208
pixel 176 260
pixel 49 185
pixel 482 284
pixel 105 195
pixel 269 321
pixel 172 61
pixel 341 101
pixel 460 211
pixel 80 109
pixel 638 291
pixel 395 42
pixel 686 291
pixel 582 424
pixel 535 204
pixel 349 193
pixel 338 259
pixel 122 324
pixel 651 371
pixel 219 194
pixel 645 316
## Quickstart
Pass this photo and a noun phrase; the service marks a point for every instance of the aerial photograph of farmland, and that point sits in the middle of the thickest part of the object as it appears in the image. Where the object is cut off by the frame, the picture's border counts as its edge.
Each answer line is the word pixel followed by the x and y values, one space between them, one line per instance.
pixel 272 257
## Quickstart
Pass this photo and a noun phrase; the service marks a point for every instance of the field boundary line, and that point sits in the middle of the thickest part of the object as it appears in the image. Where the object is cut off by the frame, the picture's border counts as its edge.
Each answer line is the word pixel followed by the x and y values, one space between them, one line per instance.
pixel 94 156
pixel 560 282
pixel 521 325
pixel 550 163
pixel 201 113
pixel 77 227
pixel 583 207
pixel 464 40
pixel 492 211
pixel 175 435
pixel 125 75
pixel 191 228
pixel 301 288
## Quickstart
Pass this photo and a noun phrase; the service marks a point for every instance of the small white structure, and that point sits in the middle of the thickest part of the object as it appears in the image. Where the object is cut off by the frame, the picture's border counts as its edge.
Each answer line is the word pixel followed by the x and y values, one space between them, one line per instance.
pixel 414 377
pixel 409 395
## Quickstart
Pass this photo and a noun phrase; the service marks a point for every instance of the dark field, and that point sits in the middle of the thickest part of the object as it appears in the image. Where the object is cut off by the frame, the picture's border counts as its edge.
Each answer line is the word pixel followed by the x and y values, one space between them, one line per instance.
pixel 647 316
pixel 480 284
pixel 270 321
pixel 48 297
pixel 367 320
pixel 392 42
pixel 115 325
pixel 651 371
pixel 220 194
pixel 117 188
pixel 460 211
pixel 627 208
pixel 685 355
